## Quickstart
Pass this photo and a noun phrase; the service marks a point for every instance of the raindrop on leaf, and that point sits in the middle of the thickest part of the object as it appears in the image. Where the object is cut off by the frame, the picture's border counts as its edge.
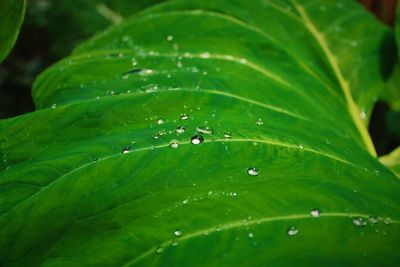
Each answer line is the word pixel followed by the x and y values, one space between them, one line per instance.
pixel 197 139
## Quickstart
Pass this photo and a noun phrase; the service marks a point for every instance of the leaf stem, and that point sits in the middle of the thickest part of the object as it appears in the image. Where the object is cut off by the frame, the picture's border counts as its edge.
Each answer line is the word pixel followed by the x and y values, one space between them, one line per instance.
pixel 344 84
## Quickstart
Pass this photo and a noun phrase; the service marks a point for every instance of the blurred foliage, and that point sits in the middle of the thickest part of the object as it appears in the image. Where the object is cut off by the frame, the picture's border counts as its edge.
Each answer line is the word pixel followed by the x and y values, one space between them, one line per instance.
pixel 50 31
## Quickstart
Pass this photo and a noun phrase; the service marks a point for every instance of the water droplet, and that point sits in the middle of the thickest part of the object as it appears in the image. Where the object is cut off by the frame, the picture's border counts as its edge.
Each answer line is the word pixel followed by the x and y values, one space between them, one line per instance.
pixel 179 64
pixel 205 55
pixel 250 235
pixel 174 243
pixel 259 121
pixel 140 72
pixel 54 106
pixel 160 121
pixel 180 130
pixel 178 233
pixel 126 150
pixel 301 146
pixel 227 134
pixel 315 213
pixel 204 130
pixel 363 115
pixel 387 220
pixel 174 144
pixel 170 38
pixel 159 249
pixel 134 62
pixel 184 117
pixel 360 222
pixel 197 139
pixel 292 231
pixel 252 171
pixel 373 219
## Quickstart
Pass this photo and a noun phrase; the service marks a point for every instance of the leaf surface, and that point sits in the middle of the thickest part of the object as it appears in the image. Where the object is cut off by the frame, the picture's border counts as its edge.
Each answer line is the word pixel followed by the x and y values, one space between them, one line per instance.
pixel 103 174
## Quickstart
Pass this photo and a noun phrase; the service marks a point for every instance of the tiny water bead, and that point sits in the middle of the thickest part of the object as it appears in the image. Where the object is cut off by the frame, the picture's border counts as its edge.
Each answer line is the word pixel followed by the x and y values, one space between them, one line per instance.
pixel 54 106
pixel 197 139
pixel 292 231
pixel 250 235
pixel 387 220
pixel 140 72
pixel 373 219
pixel 204 130
pixel 180 130
pixel 205 55
pixel 183 116
pixel 159 249
pixel 126 150
pixel 259 121
pixel 160 121
pixel 174 144
pixel 315 213
pixel 252 171
pixel 359 222
pixel 178 233
pixel 170 38
pixel 227 134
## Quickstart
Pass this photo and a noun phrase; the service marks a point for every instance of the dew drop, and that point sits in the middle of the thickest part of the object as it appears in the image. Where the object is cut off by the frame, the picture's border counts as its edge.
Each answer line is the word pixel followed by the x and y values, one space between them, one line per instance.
pixel 205 55
pixel 259 121
pixel 227 134
pixel 140 72
pixel 250 235
pixel 134 62
pixel 204 130
pixel 126 150
pixel 252 171
pixel 170 38
pixel 174 144
pixel 197 139
pixel 174 243
pixel 54 106
pixel 363 115
pixel 180 130
pixel 160 121
pixel 292 231
pixel 373 219
pixel 159 249
pixel 184 117
pixel 301 146
pixel 360 222
pixel 178 233
pixel 315 213
pixel 387 220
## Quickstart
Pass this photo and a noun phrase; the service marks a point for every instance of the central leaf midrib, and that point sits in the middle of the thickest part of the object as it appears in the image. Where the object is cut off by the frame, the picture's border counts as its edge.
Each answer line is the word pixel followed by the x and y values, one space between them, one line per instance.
pixel 241 223
pixel 261 141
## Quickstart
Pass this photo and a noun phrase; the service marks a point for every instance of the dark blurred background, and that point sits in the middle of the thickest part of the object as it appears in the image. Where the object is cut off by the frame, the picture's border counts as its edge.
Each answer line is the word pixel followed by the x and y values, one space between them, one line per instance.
pixel 41 43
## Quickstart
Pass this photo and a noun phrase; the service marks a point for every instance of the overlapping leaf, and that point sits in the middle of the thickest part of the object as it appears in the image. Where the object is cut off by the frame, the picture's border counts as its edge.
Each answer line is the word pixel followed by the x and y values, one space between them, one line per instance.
pixel 11 17
pixel 106 174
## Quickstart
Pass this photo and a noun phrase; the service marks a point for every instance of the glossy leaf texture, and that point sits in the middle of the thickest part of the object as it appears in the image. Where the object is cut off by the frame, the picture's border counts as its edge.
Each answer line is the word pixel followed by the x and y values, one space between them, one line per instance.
pixel 206 133
pixel 11 18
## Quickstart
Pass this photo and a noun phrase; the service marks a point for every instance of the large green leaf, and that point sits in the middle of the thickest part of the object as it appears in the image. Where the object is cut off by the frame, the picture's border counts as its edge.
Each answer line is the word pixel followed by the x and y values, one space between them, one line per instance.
pixel 293 182
pixel 11 17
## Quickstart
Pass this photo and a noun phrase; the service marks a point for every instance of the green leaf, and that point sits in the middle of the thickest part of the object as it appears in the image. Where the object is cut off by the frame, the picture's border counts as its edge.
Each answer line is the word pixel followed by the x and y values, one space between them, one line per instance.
pixel 392 161
pixel 11 18
pixel 105 173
